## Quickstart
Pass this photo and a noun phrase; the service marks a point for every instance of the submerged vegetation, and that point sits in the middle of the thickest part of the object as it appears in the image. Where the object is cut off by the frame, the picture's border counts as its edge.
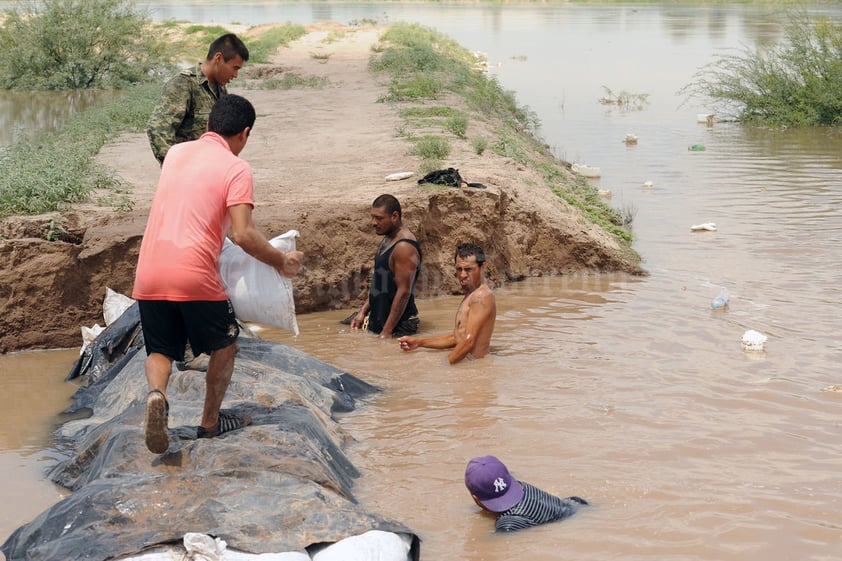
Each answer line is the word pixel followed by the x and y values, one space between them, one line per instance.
pixel 798 82
pixel 425 66
pixel 625 101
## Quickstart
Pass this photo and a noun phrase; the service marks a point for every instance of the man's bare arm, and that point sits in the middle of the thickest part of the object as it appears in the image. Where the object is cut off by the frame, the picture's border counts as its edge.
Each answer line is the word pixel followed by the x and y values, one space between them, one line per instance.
pixel 411 342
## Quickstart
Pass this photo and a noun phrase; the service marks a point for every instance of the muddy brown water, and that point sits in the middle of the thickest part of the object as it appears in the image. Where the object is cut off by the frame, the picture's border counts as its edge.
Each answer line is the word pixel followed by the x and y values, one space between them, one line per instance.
pixel 630 392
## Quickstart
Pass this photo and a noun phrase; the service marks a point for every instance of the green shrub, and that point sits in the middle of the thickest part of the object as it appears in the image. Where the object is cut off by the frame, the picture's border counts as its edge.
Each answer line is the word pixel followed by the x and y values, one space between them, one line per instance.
pixel 207 33
pixel 798 82
pixel 418 87
pixel 428 112
pixel 431 147
pixel 334 36
pixel 480 145
pixel 447 118
pixel 457 124
pixel 73 44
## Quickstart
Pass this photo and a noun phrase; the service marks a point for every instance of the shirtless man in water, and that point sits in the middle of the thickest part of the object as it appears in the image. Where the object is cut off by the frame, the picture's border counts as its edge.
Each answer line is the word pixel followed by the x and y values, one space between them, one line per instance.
pixel 475 316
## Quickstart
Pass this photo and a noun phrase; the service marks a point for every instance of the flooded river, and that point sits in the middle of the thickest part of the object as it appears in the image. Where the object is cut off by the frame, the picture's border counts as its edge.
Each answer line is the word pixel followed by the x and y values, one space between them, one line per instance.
pixel 630 392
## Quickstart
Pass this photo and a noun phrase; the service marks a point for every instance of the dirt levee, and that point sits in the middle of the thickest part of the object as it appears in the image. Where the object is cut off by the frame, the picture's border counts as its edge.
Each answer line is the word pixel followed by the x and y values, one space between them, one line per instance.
pixel 319 156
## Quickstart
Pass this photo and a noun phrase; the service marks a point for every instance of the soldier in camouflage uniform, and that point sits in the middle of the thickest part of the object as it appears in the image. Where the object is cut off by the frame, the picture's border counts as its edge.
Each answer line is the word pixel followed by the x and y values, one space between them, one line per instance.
pixel 182 111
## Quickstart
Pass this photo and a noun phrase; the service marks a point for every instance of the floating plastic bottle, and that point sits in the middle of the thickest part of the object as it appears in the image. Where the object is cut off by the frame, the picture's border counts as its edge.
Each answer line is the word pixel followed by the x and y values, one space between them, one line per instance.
pixel 696 147
pixel 719 302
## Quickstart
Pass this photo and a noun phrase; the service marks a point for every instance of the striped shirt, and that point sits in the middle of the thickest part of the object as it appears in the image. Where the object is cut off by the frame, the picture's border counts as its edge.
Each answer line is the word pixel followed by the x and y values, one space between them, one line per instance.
pixel 536 507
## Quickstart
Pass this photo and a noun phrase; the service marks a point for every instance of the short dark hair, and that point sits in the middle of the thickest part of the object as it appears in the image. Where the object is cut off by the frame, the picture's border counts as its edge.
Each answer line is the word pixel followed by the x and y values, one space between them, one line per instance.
pixel 389 202
pixel 464 250
pixel 230 46
pixel 230 115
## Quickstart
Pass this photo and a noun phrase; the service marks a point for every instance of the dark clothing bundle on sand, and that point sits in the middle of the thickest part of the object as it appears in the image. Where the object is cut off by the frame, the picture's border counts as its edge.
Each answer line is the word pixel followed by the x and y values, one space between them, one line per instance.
pixel 282 484
pixel 450 177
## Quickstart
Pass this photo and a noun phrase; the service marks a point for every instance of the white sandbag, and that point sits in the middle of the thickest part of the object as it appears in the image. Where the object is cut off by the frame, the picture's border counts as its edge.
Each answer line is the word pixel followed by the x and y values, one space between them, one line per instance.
pixel 258 292
pixel 89 334
pixel 114 305
pixel 179 553
pixel 234 555
pixel 374 545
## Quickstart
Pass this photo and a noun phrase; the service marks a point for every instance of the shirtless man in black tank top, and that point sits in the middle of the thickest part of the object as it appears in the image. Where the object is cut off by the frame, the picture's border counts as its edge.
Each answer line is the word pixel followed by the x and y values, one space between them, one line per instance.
pixel 390 309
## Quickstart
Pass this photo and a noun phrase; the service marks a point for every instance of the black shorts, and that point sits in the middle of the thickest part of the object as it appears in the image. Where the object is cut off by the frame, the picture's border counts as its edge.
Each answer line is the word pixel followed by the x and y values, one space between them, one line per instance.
pixel 167 326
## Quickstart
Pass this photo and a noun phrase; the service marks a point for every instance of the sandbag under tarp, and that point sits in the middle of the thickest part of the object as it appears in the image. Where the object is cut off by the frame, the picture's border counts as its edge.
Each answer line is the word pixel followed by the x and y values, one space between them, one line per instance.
pixel 281 484
pixel 117 343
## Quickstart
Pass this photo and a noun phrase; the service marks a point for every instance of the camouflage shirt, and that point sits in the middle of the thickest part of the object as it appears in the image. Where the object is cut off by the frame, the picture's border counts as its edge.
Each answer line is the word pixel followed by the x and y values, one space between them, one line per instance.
pixel 182 111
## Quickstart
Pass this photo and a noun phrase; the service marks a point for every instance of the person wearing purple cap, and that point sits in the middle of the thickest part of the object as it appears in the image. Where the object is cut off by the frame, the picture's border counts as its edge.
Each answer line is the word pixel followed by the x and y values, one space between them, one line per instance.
pixel 517 503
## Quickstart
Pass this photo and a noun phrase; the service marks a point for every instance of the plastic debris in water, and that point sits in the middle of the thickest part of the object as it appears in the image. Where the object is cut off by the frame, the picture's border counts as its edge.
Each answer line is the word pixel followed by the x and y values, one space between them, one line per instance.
pixel 719 302
pixel 705 227
pixel 648 184
pixel 753 340
pixel 586 170
pixel 696 147
pixel 630 139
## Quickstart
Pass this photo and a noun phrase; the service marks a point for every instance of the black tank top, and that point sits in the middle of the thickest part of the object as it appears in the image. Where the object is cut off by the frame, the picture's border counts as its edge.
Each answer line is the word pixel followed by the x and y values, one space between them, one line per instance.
pixel 383 289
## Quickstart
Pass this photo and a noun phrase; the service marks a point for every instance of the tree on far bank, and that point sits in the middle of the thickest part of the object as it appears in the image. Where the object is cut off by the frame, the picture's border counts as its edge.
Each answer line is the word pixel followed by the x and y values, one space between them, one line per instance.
pixel 798 82
pixel 76 44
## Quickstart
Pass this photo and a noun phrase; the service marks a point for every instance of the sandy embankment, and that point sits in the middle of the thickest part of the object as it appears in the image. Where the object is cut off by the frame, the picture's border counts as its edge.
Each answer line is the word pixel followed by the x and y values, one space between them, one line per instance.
pixel 319 158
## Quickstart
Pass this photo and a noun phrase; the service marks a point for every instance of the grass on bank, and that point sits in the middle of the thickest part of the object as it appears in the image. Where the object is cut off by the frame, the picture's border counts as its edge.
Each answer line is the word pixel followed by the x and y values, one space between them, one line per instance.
pixel 425 66
pixel 266 44
pixel 55 170
pixel 52 171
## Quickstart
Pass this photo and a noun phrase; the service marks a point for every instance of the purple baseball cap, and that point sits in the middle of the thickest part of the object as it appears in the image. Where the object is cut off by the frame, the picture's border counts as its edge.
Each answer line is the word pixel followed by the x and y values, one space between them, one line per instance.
pixel 491 483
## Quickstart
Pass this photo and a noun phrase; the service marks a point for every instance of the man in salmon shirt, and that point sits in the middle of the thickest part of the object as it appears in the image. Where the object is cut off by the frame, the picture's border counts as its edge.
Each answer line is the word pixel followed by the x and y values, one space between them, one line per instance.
pixel 205 191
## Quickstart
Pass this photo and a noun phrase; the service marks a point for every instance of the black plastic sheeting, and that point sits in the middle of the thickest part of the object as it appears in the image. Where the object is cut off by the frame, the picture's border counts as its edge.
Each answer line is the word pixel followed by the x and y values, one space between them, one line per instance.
pixel 280 484
pixel 116 344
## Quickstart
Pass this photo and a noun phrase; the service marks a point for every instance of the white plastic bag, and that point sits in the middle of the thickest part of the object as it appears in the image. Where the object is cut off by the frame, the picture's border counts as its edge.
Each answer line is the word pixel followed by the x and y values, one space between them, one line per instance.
pixel 88 336
pixel 202 547
pixel 258 291
pixel 753 340
pixel 114 305
pixel 374 545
